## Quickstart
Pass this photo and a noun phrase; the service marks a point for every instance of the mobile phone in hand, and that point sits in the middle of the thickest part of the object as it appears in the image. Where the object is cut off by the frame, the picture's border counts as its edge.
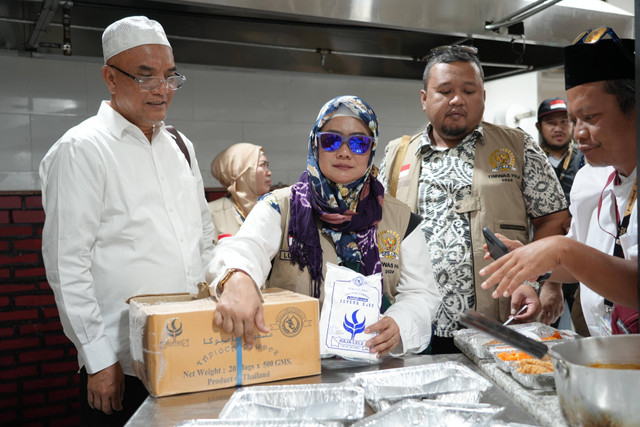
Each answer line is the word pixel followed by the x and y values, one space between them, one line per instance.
pixel 495 246
pixel 497 249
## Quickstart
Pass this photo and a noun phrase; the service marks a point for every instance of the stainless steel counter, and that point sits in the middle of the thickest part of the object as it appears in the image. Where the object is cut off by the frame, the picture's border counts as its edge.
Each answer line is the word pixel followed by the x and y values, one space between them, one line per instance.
pixel 170 410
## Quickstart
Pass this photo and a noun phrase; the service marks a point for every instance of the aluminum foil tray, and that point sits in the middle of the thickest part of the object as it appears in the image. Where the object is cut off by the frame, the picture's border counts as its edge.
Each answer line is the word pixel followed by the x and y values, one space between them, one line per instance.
pixel 535 381
pixel 502 364
pixel 478 343
pixel 256 423
pixel 472 341
pixel 447 381
pixel 429 413
pixel 317 402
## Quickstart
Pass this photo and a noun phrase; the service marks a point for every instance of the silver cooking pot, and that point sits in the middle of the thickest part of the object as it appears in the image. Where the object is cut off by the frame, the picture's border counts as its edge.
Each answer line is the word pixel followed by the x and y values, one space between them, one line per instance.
pixel 597 396
pixel 588 396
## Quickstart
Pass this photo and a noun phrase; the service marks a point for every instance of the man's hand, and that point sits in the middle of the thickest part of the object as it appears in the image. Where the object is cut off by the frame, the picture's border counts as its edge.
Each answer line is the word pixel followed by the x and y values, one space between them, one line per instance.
pixel 105 389
pixel 239 308
pixel 527 262
pixel 388 336
pixel 552 301
pixel 510 244
pixel 525 294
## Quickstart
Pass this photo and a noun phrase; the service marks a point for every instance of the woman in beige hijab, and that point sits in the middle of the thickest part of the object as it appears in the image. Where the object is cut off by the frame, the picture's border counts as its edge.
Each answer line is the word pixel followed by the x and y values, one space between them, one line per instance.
pixel 244 169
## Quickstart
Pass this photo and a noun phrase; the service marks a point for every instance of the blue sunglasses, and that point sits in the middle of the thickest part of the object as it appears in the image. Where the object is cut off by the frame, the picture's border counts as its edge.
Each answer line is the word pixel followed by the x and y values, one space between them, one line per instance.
pixel 594 35
pixel 358 144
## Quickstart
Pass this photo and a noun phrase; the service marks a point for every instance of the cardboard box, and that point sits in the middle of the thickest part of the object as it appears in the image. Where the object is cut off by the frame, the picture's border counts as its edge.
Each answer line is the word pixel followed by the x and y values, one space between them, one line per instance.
pixel 176 348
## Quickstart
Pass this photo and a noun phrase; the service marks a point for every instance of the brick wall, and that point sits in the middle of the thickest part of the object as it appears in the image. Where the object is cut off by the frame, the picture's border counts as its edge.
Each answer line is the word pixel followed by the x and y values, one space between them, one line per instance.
pixel 38 366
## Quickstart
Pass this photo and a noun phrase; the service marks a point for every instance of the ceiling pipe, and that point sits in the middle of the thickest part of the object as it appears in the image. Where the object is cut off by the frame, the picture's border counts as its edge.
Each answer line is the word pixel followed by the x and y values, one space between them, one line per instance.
pixel 521 14
pixel 44 19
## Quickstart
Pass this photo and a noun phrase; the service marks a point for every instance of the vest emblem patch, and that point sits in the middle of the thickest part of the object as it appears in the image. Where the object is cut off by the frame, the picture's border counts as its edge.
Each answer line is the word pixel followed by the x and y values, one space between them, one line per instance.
pixel 502 160
pixel 388 244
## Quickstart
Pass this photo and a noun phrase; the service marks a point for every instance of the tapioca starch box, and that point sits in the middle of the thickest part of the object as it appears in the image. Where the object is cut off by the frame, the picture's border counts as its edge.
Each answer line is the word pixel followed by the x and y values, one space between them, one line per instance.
pixel 177 349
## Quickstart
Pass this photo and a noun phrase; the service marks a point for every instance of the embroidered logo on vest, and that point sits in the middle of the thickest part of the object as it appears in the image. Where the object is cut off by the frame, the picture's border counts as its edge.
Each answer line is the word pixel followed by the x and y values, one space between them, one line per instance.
pixel 388 244
pixel 502 160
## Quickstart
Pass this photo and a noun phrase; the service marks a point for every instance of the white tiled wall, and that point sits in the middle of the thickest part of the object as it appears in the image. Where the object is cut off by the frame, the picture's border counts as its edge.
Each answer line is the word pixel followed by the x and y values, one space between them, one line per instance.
pixel 217 107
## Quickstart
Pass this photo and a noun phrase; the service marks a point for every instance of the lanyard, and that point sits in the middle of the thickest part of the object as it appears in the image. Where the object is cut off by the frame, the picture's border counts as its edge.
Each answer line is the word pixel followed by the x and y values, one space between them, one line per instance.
pixel 624 223
pixel 565 164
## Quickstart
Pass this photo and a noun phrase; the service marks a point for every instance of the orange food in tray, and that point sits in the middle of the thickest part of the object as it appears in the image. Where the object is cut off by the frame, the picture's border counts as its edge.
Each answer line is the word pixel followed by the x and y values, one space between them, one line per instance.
pixel 511 356
pixel 556 336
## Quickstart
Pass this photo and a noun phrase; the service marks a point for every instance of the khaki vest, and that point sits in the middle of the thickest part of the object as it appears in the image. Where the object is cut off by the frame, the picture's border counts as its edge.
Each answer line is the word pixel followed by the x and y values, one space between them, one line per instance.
pixel 390 233
pixel 225 219
pixel 496 199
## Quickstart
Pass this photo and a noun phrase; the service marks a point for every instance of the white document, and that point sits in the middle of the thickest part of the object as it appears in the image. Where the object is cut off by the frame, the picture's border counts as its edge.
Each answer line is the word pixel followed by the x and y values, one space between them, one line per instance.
pixel 351 303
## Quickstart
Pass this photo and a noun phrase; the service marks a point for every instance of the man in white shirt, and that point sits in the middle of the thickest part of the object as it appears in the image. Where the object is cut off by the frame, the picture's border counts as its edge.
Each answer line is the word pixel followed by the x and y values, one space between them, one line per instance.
pixel 601 249
pixel 125 215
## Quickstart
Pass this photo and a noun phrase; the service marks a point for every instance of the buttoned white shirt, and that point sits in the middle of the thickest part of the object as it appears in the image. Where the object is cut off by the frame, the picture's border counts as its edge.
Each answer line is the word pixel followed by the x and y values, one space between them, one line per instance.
pixel 124 217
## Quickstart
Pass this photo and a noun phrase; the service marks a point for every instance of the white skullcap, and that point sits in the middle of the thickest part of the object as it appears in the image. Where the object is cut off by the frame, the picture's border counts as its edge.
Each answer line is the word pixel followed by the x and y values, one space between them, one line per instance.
pixel 130 32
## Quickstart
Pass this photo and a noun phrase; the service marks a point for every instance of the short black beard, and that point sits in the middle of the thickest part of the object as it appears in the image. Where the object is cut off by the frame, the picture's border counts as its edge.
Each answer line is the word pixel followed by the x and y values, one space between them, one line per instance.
pixel 454 131
pixel 557 149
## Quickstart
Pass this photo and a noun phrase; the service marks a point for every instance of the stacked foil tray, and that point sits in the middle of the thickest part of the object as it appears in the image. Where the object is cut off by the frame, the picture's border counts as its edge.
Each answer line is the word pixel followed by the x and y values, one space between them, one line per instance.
pixel 437 394
pixel 331 404
pixel 448 381
pixel 432 413
pixel 487 348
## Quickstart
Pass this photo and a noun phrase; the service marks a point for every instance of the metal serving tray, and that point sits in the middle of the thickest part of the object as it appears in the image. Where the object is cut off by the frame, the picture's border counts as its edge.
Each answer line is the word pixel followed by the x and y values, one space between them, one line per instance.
pixel 317 402
pixel 472 341
pixel 479 343
pixel 502 364
pixel 433 414
pixel 535 381
pixel 448 381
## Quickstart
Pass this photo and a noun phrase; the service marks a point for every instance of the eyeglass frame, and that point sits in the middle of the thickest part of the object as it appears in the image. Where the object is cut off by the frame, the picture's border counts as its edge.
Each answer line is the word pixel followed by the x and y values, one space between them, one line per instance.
pixel 348 138
pixel 140 81
pixel 608 31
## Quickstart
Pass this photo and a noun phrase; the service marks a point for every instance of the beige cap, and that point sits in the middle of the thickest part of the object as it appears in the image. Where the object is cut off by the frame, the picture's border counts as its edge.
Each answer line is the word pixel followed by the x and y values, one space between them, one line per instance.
pixel 130 32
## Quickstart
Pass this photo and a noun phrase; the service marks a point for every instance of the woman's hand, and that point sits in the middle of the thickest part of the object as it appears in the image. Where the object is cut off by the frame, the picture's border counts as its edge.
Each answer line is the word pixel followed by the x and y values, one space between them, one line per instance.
pixel 388 336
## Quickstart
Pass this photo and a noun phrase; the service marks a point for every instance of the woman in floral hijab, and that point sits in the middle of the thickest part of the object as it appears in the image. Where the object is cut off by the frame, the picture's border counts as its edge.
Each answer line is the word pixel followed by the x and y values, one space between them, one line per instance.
pixel 336 212
pixel 349 211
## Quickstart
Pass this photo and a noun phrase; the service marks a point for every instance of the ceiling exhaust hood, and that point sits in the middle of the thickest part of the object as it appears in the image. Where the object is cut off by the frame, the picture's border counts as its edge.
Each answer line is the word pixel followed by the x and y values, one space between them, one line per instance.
pixel 381 38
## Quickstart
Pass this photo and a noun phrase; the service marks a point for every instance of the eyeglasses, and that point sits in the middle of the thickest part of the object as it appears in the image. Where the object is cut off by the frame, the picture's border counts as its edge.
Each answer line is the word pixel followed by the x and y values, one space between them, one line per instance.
pixel 358 144
pixel 594 35
pixel 456 47
pixel 174 82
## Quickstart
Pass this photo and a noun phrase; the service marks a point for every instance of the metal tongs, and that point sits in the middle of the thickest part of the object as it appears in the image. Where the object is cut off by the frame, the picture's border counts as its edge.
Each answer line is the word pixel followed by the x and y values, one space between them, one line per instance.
pixel 510 336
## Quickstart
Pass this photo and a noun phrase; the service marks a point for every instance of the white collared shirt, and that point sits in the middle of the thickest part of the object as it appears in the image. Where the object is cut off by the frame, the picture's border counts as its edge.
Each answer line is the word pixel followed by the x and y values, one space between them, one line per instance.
pixel 586 228
pixel 123 217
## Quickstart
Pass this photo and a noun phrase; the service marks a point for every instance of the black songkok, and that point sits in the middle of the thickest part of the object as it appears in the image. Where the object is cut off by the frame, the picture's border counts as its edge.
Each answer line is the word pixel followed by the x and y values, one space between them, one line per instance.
pixel 603 60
